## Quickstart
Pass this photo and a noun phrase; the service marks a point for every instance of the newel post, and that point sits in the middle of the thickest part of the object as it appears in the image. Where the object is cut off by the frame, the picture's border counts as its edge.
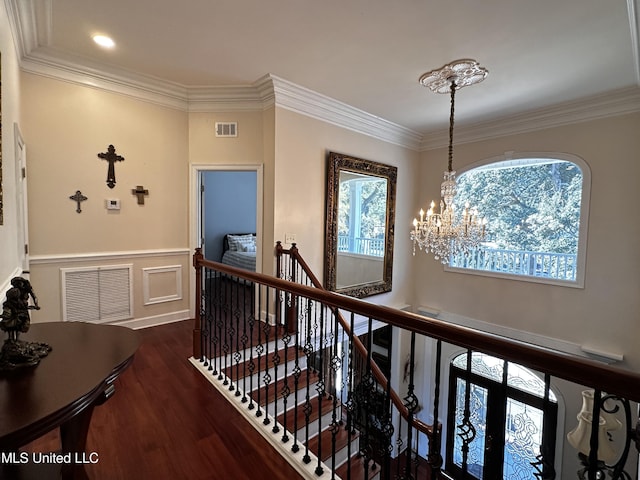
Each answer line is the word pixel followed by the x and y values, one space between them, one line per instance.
pixel 197 342
pixel 292 316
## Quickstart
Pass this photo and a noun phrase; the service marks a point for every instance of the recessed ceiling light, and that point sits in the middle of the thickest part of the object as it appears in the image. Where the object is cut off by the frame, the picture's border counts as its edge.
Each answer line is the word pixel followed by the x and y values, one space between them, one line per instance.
pixel 104 41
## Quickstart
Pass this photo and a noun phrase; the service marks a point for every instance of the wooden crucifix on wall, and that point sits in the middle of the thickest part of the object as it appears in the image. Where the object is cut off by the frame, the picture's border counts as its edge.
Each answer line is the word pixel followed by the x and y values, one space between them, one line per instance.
pixel 140 192
pixel 78 197
pixel 111 157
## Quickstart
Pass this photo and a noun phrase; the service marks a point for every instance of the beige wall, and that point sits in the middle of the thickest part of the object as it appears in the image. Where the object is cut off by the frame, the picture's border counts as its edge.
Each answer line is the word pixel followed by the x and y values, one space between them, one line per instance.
pixel 253 147
pixel 65 126
pixel 604 314
pixel 9 258
pixel 302 147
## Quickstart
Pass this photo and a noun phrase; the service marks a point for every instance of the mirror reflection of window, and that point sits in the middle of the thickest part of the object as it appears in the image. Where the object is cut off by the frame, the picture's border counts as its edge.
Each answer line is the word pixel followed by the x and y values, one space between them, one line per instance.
pixel 362 214
pixel 361 228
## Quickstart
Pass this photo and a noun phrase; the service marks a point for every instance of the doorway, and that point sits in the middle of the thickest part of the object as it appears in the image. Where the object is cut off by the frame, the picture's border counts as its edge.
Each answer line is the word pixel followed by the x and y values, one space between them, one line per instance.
pixel 513 421
pixel 229 206
pixel 199 209
pixel 213 206
pixel 21 199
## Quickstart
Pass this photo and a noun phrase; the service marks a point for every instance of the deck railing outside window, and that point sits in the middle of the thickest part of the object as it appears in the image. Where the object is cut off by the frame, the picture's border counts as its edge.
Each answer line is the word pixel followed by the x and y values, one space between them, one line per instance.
pixel 361 245
pixel 558 266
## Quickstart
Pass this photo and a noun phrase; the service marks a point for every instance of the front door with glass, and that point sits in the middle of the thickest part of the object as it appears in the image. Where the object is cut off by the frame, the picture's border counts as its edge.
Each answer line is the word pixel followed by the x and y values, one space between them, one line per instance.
pixel 501 418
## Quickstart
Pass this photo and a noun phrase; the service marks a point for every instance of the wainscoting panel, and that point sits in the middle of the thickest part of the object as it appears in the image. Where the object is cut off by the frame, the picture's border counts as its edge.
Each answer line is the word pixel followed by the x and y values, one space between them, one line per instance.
pixel 162 284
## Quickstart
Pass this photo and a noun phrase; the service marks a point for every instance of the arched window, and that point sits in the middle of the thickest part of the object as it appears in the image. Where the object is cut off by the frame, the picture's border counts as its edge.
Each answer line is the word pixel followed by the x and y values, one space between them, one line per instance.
pixel 513 414
pixel 537 208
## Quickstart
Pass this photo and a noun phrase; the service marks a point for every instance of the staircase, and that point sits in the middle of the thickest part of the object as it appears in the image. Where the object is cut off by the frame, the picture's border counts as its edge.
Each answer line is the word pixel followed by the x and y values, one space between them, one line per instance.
pixel 294 368
pixel 306 424
pixel 283 350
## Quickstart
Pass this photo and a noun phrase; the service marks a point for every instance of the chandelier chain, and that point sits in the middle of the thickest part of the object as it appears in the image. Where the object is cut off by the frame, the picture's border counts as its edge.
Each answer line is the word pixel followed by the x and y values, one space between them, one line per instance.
pixel 451 115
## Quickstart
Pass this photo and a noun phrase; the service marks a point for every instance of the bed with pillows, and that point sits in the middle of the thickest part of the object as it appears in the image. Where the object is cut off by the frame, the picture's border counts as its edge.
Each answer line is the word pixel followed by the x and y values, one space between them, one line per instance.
pixel 239 250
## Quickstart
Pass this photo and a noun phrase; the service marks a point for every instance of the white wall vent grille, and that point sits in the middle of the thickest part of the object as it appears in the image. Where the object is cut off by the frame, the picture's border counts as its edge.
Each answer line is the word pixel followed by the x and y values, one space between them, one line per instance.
pixel 226 129
pixel 97 294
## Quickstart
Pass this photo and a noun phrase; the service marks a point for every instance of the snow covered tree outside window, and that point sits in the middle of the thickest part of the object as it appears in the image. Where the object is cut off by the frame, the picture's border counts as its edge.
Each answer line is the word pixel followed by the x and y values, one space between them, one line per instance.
pixel 534 207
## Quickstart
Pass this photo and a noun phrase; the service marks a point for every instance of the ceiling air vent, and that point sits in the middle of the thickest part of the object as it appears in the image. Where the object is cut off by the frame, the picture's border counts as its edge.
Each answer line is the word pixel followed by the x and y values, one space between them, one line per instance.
pixel 226 129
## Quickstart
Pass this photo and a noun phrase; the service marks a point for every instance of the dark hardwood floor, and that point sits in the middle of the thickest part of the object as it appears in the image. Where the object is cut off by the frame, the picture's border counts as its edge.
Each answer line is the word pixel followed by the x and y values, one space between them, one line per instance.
pixel 166 421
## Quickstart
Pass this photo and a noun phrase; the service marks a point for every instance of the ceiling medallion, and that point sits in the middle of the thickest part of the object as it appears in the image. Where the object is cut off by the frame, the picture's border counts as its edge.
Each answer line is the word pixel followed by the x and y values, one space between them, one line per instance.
pixel 464 72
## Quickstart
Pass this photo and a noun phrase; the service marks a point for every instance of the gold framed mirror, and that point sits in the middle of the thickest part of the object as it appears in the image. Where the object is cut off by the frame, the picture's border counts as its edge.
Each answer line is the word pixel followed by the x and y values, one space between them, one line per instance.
pixel 361 199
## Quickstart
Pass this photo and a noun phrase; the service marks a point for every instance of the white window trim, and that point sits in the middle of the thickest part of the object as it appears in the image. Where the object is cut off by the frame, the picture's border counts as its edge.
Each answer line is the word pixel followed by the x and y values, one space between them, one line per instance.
pixel 584 218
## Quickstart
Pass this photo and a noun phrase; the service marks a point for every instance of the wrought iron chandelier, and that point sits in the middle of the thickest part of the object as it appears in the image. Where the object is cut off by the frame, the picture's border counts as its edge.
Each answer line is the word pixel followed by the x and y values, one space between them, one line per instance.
pixel 441 232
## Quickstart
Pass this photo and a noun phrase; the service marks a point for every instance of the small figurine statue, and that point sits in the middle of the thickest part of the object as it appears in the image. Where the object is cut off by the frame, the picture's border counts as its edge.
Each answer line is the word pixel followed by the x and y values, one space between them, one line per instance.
pixel 15 320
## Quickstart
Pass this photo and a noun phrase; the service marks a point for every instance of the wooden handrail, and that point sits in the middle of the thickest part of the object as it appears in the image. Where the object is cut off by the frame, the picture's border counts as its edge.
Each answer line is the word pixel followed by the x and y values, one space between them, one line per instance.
pixel 583 371
pixel 362 350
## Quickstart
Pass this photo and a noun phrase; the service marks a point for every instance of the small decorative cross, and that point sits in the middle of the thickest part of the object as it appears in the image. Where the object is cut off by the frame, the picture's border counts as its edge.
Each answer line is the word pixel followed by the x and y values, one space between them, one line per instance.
pixel 111 157
pixel 140 192
pixel 78 197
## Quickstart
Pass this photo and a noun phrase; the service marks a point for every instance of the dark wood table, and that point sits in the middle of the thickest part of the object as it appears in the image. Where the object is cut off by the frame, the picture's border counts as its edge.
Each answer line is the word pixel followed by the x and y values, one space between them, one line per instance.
pixel 61 391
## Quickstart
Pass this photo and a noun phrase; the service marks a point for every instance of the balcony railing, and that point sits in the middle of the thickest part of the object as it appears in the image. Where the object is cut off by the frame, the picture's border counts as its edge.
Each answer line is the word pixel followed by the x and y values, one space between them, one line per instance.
pixel 557 266
pixel 361 245
pixel 290 355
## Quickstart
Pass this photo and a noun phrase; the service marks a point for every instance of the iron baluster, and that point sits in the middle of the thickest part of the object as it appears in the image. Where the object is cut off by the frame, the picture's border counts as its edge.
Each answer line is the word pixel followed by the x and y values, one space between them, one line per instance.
pixel 225 318
pixel 399 445
pixel 243 341
pixel 593 468
pixel 219 309
pixel 386 427
pixel 297 372
pixel 543 469
pixel 259 351
pixel 252 322
pixel 336 364
pixel 308 351
pixel 235 334
pixel 206 328
pixel 368 390
pixel 266 379
pixel 275 358
pixel 411 403
pixel 320 387
pixel 350 401
pixel 286 390
pixel 435 457
pixel 466 430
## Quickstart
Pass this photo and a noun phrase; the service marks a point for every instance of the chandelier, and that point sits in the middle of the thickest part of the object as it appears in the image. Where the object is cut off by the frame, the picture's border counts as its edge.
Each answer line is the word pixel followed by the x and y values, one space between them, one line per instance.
pixel 442 232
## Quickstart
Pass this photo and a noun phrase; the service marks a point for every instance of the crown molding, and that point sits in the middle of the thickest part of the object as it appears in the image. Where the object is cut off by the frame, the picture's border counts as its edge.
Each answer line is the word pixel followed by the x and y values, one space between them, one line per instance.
pixel 610 104
pixel 307 102
pixel 49 63
pixel 257 96
pixel 30 22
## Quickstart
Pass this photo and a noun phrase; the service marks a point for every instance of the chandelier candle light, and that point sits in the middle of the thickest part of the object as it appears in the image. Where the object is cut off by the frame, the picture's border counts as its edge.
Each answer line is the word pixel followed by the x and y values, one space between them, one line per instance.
pixel 441 233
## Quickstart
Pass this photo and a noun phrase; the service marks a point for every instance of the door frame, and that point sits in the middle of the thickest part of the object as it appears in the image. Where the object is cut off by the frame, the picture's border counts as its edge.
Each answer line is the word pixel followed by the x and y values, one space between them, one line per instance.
pixel 497 395
pixel 196 212
pixel 22 212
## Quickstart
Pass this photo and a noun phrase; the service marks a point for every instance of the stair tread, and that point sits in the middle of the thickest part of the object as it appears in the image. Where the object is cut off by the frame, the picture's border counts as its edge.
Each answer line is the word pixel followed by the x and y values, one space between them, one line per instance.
pixel 293 413
pixel 266 361
pixel 279 385
pixel 342 438
pixel 357 469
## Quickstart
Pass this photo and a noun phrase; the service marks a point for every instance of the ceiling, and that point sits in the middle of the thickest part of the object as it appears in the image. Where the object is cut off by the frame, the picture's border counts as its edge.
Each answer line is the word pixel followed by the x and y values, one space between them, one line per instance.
pixel 368 54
